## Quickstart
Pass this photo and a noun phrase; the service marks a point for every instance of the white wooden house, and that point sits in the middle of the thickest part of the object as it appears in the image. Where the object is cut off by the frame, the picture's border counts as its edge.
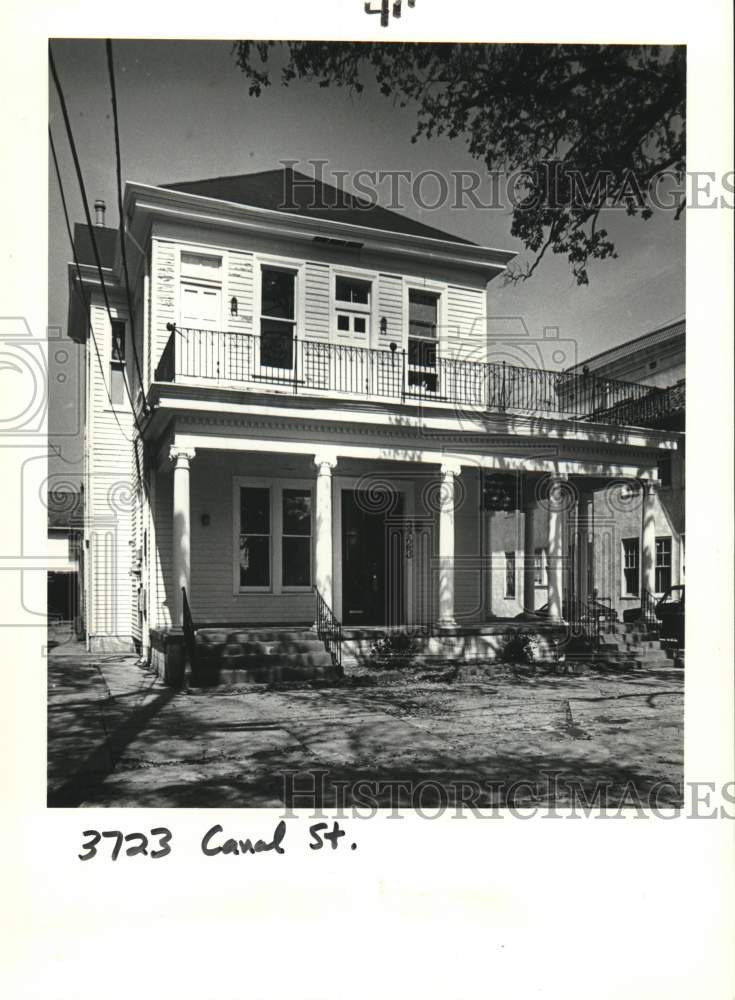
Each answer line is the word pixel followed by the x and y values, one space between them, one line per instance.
pixel 319 417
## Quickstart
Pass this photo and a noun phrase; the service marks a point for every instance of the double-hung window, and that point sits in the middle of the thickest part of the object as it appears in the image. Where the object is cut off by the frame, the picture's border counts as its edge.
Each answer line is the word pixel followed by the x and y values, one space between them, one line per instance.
pixel 352 309
pixel 423 326
pixel 117 363
pixel 296 538
pixel 631 567
pixel 277 317
pixel 663 565
pixel 273 528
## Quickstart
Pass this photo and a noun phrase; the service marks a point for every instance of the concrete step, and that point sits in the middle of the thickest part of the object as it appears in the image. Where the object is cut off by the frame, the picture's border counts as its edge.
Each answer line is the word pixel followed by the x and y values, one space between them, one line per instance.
pixel 259 656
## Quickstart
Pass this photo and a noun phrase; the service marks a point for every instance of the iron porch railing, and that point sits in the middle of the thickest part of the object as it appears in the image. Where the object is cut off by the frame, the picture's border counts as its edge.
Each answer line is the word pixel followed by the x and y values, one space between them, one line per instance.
pixel 329 630
pixel 287 363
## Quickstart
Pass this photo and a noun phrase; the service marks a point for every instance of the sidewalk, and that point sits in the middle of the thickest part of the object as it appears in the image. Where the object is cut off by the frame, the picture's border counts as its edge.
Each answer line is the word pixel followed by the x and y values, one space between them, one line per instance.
pixel 117 737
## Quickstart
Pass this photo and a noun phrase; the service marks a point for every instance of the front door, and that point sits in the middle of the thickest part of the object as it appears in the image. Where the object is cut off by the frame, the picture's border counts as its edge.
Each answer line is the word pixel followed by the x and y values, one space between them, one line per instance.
pixel 372 558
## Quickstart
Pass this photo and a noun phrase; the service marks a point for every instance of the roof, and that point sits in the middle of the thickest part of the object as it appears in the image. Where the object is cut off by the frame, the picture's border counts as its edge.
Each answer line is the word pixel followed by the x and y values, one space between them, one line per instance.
pixel 654 338
pixel 65 509
pixel 105 238
pixel 308 197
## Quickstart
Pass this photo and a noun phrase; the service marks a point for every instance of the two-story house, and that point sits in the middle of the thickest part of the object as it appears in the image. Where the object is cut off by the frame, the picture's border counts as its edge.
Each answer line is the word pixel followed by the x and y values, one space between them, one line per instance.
pixel 320 429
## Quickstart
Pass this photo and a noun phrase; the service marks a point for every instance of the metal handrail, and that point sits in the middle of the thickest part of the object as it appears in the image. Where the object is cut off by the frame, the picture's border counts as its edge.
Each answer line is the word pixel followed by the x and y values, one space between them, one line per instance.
pixel 298 365
pixel 648 608
pixel 329 630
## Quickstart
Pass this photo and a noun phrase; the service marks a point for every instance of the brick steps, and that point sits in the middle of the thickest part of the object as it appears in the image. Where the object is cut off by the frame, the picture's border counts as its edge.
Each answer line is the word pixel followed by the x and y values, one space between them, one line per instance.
pixel 259 656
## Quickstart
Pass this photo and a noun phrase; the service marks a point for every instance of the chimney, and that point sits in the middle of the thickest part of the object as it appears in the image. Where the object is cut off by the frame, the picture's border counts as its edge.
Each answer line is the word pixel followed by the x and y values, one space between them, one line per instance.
pixel 99 209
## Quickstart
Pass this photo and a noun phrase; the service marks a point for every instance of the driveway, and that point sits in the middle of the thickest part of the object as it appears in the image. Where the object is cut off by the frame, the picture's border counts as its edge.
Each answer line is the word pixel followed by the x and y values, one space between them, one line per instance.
pixel 117 737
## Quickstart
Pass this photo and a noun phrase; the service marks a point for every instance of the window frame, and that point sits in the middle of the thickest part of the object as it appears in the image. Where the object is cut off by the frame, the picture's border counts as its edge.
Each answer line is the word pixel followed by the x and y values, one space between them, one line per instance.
pixel 117 365
pixel 624 592
pixel 440 289
pixel 670 566
pixel 298 269
pixel 540 568
pixel 276 487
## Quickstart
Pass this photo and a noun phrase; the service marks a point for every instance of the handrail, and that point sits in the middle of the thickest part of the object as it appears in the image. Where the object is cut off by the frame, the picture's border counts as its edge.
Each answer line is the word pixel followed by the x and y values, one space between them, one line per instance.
pixel 294 364
pixel 329 630
pixel 648 608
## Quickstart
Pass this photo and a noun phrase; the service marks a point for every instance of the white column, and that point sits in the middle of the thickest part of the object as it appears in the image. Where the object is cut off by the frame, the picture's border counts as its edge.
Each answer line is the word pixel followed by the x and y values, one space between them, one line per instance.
pixel 323 540
pixel 557 512
pixel 529 551
pixel 181 457
pixel 446 544
pixel 648 536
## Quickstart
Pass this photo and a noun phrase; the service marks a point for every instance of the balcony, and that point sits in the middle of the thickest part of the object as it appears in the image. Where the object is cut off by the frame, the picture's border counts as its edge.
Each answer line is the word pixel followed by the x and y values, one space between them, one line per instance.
pixel 314 368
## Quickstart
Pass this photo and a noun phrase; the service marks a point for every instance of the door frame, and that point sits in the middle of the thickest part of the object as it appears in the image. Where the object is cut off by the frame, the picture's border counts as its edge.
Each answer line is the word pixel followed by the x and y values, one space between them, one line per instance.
pixel 341 483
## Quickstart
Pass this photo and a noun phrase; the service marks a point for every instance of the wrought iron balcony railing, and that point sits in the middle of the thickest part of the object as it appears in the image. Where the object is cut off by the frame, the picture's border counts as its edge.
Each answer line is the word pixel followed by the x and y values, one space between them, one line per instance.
pixel 290 364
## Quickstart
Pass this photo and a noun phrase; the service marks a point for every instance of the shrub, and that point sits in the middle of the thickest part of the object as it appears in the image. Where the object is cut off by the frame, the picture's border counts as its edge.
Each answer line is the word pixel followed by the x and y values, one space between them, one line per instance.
pixel 521 646
pixel 393 651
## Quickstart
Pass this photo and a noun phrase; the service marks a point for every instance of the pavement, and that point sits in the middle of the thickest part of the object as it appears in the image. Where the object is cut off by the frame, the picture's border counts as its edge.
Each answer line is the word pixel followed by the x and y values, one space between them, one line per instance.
pixel 118 737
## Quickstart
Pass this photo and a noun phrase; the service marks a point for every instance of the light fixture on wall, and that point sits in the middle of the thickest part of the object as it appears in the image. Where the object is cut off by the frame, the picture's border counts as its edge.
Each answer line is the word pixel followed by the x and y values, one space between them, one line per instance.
pixel 206 519
pixel 233 306
pixel 383 326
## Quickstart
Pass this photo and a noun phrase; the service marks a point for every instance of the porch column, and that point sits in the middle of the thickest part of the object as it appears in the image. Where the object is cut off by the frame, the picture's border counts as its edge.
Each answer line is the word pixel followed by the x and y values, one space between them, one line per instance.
pixel 446 544
pixel 323 546
pixel 557 506
pixel 648 537
pixel 181 457
pixel 529 555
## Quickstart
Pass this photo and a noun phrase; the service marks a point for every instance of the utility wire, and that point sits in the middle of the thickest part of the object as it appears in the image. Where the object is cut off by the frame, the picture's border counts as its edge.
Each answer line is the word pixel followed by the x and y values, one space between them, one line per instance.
pixel 123 240
pixel 81 285
pixel 85 202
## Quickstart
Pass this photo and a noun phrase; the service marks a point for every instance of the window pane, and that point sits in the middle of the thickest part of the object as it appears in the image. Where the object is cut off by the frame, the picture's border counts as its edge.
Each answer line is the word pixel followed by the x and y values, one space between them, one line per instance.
pixel 254 561
pixel 350 290
pixel 278 294
pixel 296 562
pixel 422 354
pixel 510 574
pixel 343 322
pixel 422 307
pixel 202 266
pixel 117 384
pixel 297 512
pixel 360 326
pixel 255 515
pixel 118 340
pixel 276 344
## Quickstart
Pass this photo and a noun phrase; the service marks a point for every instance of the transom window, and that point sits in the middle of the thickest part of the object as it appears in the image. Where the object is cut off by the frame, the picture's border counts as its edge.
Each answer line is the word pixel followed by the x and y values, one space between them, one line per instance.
pixel 663 565
pixel 631 567
pixel 352 308
pixel 423 315
pixel 277 317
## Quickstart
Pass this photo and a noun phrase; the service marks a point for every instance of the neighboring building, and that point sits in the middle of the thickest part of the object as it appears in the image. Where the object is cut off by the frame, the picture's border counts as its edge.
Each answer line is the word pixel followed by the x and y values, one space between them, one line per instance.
pixel 316 408
pixel 65 533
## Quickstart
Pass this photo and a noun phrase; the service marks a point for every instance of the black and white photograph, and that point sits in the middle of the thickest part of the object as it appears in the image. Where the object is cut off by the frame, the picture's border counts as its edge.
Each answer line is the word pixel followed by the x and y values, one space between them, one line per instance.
pixel 351 500
pixel 380 462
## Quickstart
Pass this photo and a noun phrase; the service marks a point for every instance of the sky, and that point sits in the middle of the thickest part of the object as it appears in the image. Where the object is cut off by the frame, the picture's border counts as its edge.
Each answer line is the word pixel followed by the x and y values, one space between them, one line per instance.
pixel 185 114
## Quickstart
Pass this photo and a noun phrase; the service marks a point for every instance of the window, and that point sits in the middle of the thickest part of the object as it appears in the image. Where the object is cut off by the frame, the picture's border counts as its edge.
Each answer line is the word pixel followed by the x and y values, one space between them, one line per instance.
pixel 663 565
pixel 296 531
pixel 117 363
pixel 201 291
pixel 631 566
pixel 352 306
pixel 539 565
pixel 682 557
pixel 510 574
pixel 423 315
pixel 663 470
pixel 277 318
pixel 255 537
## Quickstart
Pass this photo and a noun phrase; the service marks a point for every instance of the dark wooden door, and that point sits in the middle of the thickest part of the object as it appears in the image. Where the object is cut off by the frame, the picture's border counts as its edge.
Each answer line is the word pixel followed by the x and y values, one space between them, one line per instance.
pixel 372 561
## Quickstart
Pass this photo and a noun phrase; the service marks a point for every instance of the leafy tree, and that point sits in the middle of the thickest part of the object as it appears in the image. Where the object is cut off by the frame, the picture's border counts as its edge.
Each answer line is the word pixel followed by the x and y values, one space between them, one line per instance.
pixel 583 127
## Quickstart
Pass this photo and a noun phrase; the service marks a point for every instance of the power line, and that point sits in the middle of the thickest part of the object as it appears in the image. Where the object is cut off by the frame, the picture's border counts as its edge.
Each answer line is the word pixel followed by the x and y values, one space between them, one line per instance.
pixel 121 216
pixel 81 284
pixel 85 203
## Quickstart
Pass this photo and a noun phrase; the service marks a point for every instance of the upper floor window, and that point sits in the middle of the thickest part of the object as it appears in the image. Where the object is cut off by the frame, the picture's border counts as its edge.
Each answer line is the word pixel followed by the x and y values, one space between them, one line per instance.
pixel 277 317
pixel 663 470
pixel 117 363
pixel 423 322
pixel 201 291
pixel 352 308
